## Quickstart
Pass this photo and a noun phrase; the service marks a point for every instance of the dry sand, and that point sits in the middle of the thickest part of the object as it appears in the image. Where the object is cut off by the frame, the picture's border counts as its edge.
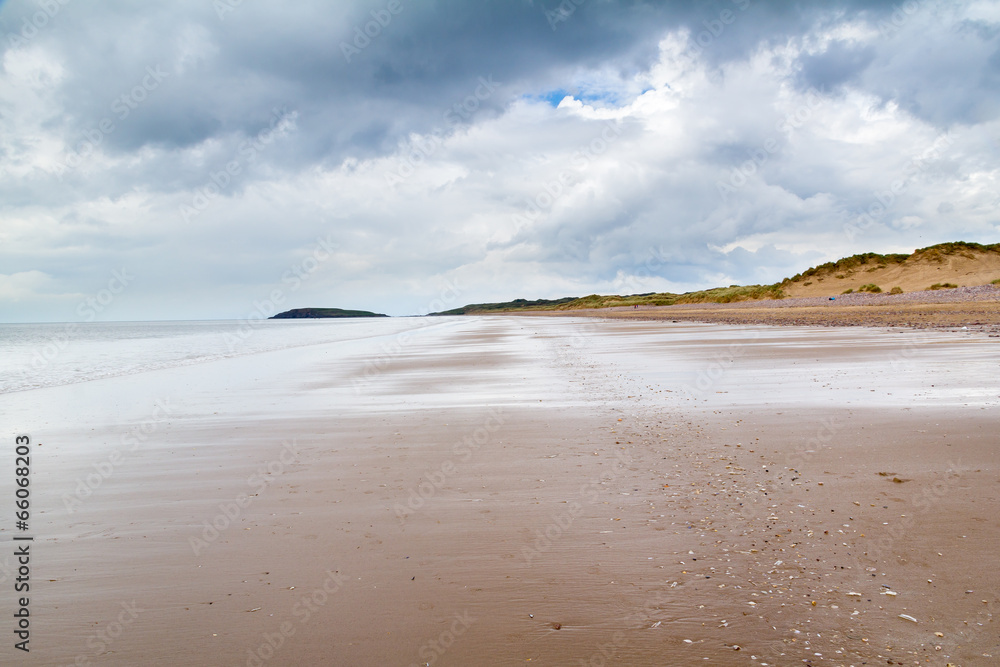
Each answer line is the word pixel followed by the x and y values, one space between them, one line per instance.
pixel 594 493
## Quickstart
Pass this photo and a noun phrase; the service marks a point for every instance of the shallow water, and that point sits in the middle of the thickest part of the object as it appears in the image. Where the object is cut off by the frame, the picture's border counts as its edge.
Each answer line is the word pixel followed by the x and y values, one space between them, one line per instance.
pixel 33 356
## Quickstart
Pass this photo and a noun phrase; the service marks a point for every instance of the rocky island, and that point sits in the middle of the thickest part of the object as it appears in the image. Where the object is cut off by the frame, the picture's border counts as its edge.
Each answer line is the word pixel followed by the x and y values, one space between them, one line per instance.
pixel 302 313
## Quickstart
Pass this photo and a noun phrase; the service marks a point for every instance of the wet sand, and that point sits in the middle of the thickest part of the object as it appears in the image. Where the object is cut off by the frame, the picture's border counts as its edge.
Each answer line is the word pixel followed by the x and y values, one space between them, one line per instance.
pixel 544 491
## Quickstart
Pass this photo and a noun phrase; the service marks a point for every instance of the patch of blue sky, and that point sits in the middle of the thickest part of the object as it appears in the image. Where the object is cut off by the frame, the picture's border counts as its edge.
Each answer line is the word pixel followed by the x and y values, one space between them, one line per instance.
pixel 599 97
pixel 553 97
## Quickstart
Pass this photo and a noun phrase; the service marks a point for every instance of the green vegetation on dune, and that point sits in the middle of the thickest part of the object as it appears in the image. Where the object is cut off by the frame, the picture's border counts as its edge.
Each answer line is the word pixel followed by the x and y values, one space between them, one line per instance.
pixel 612 301
pixel 733 294
pixel 516 304
pixel 844 267
pixel 717 295
pixel 939 251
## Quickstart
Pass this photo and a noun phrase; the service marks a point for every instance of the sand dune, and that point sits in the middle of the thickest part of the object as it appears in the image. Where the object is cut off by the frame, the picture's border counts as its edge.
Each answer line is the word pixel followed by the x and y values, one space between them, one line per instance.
pixel 965 267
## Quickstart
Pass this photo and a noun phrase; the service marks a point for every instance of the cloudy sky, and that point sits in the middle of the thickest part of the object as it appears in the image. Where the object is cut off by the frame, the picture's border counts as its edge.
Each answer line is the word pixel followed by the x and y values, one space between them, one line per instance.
pixel 199 159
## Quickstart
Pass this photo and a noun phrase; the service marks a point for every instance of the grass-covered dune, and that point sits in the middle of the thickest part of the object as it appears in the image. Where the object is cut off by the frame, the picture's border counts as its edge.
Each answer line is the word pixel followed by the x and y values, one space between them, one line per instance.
pixel 955 264
pixel 516 304
pixel 935 267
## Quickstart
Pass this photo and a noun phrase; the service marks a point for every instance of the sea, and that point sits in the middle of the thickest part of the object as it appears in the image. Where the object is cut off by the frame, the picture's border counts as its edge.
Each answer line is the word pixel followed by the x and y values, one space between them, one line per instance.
pixel 34 356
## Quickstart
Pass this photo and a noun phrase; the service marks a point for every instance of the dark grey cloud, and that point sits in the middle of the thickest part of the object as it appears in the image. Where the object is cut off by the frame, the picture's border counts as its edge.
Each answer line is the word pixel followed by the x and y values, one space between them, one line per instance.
pixel 838 64
pixel 225 74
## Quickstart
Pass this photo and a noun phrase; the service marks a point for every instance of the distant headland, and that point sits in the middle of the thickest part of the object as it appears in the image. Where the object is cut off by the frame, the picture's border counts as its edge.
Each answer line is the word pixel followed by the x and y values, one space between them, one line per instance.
pixel 315 313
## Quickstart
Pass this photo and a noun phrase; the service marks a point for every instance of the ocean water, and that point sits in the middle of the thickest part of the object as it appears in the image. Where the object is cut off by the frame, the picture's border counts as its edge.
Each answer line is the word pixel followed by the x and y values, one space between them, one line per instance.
pixel 34 356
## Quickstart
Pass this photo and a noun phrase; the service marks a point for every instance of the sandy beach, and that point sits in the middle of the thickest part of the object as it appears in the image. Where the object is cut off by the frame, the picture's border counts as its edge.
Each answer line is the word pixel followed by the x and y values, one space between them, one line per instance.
pixel 525 490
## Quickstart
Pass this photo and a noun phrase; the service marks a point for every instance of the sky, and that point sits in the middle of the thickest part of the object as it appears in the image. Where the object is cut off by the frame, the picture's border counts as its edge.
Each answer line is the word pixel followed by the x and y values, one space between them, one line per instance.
pixel 228 159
